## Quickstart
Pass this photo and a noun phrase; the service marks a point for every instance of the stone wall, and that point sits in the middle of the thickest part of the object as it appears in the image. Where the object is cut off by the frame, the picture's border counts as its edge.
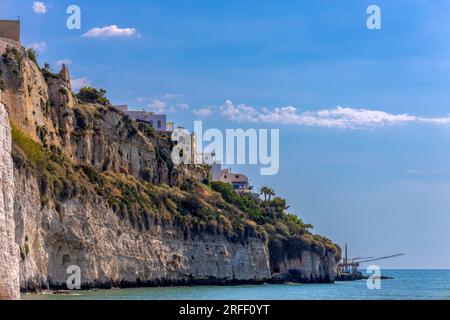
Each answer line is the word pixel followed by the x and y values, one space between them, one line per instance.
pixel 10 29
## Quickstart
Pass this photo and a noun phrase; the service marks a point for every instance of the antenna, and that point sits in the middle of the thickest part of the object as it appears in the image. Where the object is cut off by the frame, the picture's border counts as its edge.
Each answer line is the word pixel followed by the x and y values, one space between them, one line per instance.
pixel 346 254
pixel 382 258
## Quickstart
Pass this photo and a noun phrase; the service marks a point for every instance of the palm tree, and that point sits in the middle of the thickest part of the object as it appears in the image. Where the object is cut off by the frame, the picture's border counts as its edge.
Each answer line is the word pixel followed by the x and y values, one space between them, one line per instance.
pixel 267 192
pixel 264 191
pixel 271 193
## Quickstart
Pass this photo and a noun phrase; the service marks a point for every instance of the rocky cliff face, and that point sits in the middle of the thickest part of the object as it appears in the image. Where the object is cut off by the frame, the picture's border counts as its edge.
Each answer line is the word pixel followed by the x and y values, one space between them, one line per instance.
pixel 309 267
pixel 98 191
pixel 110 252
pixel 9 259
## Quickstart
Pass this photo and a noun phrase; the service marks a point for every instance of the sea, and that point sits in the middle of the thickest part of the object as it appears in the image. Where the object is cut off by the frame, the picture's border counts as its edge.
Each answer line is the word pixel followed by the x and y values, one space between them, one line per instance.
pixel 406 285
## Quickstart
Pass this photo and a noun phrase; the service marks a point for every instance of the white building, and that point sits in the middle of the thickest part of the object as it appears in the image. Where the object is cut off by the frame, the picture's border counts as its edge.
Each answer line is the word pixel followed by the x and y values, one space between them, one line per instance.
pixel 158 122
pixel 239 181
pixel 216 169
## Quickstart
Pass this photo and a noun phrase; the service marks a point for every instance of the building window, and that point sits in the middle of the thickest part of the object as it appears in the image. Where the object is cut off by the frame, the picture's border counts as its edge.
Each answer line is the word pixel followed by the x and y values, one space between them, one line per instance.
pixel 237 177
pixel 159 123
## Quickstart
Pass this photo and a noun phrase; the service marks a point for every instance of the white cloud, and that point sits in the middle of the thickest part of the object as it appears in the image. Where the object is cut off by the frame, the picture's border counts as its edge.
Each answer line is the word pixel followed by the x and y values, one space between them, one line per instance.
pixel 239 113
pixel 65 61
pixel 157 106
pixel 161 107
pixel 182 106
pixel 80 82
pixel 39 7
pixel 340 117
pixel 112 31
pixel 39 46
pixel 203 112
pixel 172 96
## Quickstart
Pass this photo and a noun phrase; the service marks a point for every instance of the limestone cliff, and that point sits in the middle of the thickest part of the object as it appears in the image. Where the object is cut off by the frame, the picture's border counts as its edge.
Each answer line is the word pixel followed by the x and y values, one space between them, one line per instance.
pixel 110 252
pixel 309 267
pixel 9 259
pixel 96 190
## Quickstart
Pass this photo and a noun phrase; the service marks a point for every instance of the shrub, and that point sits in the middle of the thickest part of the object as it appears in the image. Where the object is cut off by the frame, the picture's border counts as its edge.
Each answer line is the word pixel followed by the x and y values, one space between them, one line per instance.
pixel 191 205
pixel 42 133
pixel 282 229
pixel 189 185
pixel 226 225
pixel 34 152
pixel 93 95
pixel 45 107
pixel 244 202
pixel 32 55
pixel 250 228
pixel 11 53
pixel 144 127
pixel 93 175
pixel 81 119
pixel 296 225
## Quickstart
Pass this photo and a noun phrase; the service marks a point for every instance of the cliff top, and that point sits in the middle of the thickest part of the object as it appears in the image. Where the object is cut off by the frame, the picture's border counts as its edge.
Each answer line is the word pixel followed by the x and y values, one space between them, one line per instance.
pixel 4 42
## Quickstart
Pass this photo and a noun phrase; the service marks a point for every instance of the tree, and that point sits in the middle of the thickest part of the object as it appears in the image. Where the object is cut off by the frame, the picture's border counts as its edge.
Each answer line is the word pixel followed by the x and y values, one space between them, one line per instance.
pixel 32 55
pixel 279 205
pixel 264 191
pixel 267 192
pixel 93 95
pixel 245 202
pixel 296 225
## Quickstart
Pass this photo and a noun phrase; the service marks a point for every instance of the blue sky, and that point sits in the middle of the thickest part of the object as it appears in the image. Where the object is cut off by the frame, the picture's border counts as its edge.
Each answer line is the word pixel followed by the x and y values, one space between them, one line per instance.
pixel 367 174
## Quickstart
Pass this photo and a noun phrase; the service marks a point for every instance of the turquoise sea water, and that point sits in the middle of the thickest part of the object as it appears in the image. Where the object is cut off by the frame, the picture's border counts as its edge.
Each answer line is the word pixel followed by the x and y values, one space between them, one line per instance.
pixel 408 284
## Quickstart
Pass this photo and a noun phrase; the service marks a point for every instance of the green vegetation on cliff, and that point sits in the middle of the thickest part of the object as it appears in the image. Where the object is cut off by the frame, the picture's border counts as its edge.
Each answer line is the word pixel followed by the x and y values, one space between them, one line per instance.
pixel 93 95
pixel 58 181
pixel 190 210
pixel 287 234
